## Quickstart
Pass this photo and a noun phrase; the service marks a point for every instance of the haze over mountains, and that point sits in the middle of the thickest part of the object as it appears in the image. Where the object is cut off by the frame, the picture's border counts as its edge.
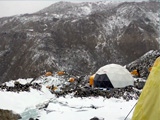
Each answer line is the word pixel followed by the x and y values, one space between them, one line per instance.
pixel 76 37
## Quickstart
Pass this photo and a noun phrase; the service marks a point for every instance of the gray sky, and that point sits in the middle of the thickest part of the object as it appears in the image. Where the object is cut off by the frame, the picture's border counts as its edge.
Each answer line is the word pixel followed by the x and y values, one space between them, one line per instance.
pixel 14 7
pixel 9 8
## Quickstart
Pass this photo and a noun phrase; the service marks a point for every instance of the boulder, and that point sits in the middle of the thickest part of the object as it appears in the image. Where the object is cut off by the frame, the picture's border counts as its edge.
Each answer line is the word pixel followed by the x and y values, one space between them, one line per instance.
pixel 8 115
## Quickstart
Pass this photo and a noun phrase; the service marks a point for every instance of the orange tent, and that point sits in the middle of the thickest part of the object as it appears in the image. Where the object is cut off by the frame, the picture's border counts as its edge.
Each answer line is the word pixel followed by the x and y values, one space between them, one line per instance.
pixel 61 73
pixel 48 74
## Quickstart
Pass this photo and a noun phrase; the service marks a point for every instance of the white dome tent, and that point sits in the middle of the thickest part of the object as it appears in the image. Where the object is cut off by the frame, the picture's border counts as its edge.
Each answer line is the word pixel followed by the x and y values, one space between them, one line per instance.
pixel 113 76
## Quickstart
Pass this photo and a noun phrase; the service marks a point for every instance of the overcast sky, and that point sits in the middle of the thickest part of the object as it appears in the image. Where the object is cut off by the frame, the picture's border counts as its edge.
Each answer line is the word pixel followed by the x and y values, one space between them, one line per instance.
pixel 14 7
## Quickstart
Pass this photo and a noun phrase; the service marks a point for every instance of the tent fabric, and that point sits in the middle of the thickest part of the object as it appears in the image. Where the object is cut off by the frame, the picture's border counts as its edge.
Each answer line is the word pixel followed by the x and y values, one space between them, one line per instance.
pixel 148 105
pixel 91 80
pixel 48 74
pixel 117 74
pixel 102 81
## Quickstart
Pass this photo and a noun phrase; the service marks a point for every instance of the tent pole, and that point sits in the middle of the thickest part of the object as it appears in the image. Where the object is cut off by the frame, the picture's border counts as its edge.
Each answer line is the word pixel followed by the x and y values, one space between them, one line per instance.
pixel 130 111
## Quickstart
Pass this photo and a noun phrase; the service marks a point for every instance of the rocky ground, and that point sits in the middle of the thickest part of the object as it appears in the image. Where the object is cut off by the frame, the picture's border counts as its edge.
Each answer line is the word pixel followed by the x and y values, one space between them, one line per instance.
pixel 81 89
pixel 18 87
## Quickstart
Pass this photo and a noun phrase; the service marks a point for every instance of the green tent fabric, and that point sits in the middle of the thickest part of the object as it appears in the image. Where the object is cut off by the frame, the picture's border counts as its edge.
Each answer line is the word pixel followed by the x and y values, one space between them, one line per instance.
pixel 148 105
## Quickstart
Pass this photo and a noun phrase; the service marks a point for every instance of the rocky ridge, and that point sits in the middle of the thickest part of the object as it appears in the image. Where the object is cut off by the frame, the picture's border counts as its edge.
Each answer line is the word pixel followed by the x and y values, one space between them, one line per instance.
pixel 144 63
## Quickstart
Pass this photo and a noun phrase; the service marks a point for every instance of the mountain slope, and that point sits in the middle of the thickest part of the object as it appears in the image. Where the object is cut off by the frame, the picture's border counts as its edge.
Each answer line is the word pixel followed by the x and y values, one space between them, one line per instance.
pixel 76 37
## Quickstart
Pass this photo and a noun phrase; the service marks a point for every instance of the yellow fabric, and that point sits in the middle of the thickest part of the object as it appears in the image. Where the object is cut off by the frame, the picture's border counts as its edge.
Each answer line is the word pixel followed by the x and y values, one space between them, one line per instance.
pixel 91 80
pixel 148 105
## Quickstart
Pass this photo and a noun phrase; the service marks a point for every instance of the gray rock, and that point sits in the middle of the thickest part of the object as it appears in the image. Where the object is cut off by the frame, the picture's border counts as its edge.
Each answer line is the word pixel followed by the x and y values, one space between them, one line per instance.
pixel 8 115
pixel 94 118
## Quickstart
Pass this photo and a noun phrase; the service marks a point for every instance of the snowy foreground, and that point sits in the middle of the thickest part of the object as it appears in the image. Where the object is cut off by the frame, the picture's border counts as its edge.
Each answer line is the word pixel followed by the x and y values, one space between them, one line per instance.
pixel 46 106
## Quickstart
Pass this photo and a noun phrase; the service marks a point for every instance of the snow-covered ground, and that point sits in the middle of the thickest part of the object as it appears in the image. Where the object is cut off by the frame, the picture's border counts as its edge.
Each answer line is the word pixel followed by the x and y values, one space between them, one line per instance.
pixel 69 108
pixel 31 104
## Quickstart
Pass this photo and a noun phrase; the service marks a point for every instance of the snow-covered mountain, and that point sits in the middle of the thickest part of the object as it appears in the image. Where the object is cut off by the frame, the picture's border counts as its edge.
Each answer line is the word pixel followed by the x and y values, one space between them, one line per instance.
pixel 76 37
